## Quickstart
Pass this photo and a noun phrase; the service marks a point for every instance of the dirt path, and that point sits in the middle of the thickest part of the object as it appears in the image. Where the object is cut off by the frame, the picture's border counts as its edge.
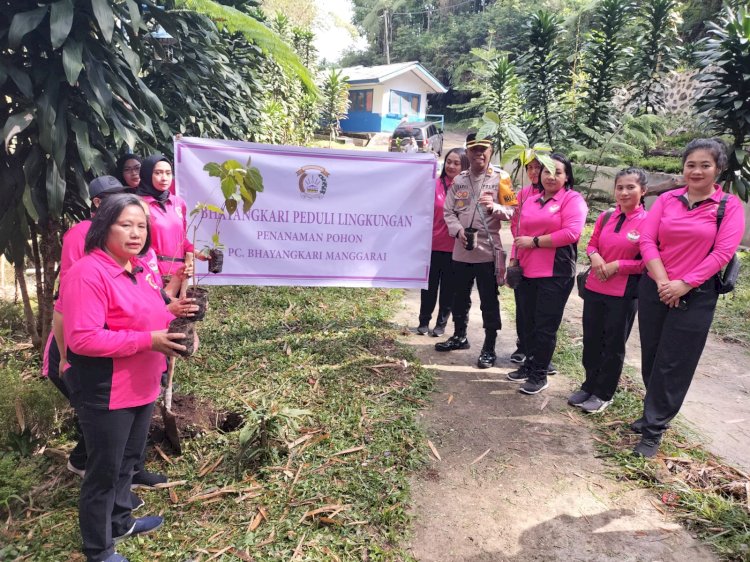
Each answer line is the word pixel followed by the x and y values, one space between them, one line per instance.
pixel 537 493
pixel 717 407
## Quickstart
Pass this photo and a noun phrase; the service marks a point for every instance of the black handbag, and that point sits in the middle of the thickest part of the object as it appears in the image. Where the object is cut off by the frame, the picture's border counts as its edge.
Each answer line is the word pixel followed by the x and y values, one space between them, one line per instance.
pixel 583 276
pixel 726 280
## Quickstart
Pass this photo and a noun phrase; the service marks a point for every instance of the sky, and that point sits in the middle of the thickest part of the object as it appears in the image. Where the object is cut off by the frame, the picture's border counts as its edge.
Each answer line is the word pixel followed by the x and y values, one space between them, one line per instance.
pixel 333 29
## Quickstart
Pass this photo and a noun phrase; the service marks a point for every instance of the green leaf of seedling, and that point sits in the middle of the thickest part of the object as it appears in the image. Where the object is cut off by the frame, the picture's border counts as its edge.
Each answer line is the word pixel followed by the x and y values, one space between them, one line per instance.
pixel 256 179
pixel 547 162
pixel 214 209
pixel 215 239
pixel 231 206
pixel 491 117
pixel 231 165
pixel 213 169
pixel 515 152
pixel 228 187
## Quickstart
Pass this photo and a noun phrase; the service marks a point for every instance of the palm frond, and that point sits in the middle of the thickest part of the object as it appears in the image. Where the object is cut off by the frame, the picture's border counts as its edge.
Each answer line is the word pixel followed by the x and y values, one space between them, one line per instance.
pixel 236 21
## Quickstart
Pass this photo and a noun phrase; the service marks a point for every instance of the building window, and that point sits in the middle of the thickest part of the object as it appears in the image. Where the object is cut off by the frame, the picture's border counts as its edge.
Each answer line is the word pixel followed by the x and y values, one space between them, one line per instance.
pixel 403 103
pixel 361 100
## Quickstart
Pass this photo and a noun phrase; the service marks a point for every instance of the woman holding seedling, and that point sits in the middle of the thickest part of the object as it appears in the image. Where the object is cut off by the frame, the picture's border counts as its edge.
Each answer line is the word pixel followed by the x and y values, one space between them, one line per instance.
pixel 116 336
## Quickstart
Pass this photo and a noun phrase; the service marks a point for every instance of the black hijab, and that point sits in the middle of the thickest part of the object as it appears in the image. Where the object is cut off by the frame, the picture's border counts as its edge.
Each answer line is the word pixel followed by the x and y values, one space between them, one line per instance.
pixel 121 164
pixel 147 171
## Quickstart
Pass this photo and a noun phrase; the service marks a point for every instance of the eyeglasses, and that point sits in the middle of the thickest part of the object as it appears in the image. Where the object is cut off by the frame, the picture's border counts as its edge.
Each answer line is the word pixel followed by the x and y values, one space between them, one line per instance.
pixel 131 170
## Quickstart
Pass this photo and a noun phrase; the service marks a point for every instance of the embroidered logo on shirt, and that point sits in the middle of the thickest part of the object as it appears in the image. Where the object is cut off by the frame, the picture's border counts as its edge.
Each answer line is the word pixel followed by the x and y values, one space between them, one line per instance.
pixel 150 280
pixel 178 210
pixel 634 236
pixel 554 208
pixel 462 194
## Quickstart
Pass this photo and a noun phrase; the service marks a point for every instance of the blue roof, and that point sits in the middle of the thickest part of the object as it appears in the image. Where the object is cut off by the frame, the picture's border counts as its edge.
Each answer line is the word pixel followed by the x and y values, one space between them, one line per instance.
pixel 361 75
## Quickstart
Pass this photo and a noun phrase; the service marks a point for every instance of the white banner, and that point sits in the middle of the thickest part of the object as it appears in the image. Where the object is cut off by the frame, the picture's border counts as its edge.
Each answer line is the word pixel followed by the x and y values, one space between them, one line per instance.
pixel 339 218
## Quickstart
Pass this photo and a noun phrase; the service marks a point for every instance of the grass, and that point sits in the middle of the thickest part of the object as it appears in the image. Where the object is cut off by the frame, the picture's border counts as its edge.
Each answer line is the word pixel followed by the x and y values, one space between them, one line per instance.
pixel 715 510
pixel 329 351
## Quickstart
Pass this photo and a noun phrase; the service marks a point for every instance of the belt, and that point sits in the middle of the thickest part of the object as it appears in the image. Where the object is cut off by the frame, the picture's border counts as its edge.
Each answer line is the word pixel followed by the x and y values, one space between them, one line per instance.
pixel 167 258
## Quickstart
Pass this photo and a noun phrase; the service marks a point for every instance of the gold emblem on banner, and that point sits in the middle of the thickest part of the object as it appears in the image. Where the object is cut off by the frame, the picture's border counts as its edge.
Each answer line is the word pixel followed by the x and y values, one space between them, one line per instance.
pixel 312 181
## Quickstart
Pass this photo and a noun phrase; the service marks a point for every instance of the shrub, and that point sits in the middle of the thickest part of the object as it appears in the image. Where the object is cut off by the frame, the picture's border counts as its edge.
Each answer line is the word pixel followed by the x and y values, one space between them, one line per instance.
pixel 666 164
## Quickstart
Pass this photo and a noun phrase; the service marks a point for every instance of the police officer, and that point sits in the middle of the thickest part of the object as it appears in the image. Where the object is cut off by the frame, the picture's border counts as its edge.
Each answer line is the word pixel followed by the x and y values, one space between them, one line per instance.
pixel 478 200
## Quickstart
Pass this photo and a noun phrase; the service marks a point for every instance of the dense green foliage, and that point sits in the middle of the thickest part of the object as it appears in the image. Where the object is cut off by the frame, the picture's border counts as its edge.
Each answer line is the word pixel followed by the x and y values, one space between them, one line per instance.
pixel 545 78
pixel 725 57
pixel 603 64
pixel 655 53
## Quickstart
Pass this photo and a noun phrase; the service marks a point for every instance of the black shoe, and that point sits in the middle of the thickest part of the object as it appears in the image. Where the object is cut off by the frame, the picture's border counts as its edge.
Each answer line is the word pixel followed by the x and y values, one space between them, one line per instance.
pixel 534 384
pixel 579 397
pixel 520 374
pixel 423 329
pixel 486 359
pixel 438 331
pixel 453 343
pixel 517 357
pixel 146 479
pixel 637 425
pixel 551 369
pixel 648 447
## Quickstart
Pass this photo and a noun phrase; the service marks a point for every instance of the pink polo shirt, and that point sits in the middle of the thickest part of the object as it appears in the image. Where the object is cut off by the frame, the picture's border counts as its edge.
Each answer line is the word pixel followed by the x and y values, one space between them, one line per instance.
pixel 442 241
pixel 562 216
pixel 169 231
pixel 72 250
pixel 683 237
pixel 522 195
pixel 109 316
pixel 617 241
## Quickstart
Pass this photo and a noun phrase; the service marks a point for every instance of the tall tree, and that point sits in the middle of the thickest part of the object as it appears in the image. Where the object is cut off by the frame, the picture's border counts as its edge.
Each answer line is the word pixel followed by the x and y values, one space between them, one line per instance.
pixel 79 81
pixel 603 63
pixel 655 53
pixel 725 60
pixel 544 71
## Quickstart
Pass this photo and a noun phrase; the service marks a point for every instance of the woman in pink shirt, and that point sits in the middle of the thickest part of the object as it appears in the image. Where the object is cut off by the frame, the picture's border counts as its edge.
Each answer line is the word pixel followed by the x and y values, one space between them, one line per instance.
pixel 683 247
pixel 534 171
pixel 128 170
pixel 116 336
pixel 610 302
pixel 168 214
pixel 441 263
pixel 550 225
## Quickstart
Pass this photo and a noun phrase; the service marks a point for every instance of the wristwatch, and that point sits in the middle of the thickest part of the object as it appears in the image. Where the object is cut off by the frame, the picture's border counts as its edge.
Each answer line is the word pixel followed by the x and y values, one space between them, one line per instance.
pixel 536 241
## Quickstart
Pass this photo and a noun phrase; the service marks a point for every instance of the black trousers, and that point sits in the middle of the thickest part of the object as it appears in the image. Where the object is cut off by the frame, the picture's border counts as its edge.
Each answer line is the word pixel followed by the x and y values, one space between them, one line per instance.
pixel 78 454
pixel 441 277
pixel 607 322
pixel 672 341
pixel 464 276
pixel 541 305
pixel 519 323
pixel 116 439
